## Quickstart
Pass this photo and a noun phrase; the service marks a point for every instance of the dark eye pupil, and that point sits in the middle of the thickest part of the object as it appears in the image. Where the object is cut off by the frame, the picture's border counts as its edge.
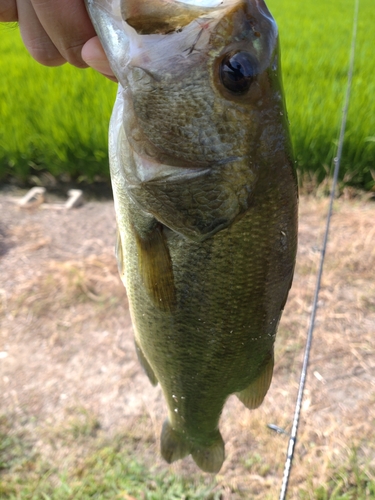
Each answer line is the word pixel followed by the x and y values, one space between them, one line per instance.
pixel 237 71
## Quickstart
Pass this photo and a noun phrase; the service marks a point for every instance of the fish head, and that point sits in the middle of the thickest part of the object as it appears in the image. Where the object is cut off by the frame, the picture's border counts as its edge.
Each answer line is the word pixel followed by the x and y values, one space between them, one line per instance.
pixel 200 79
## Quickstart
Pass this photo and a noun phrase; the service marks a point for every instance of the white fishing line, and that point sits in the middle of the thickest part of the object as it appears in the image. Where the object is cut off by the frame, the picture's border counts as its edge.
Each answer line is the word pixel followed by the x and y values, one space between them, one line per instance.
pixel 337 160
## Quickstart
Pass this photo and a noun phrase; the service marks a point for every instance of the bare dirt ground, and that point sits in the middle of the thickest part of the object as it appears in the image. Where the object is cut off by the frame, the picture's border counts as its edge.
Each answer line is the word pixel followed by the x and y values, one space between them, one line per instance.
pixel 67 355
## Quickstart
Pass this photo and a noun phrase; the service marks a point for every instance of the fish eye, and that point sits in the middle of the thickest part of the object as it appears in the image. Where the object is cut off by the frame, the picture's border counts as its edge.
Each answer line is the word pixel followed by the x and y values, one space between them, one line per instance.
pixel 238 71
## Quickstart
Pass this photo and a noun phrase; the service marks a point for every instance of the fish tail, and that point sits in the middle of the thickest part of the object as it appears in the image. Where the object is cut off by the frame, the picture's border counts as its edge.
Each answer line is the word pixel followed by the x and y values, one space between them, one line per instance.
pixel 210 458
pixel 174 447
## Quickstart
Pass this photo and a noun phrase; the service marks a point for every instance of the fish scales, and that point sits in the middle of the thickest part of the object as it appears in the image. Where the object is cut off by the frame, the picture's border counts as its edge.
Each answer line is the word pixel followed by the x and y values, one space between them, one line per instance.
pixel 194 129
pixel 205 197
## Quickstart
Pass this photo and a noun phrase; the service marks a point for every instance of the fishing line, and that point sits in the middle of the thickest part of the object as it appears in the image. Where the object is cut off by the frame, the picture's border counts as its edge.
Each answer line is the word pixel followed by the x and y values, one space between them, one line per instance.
pixel 337 160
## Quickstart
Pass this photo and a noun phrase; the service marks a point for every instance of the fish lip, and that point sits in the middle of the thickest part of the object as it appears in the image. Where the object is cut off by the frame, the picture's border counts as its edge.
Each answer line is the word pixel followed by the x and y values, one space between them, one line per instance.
pixel 165 16
pixel 152 49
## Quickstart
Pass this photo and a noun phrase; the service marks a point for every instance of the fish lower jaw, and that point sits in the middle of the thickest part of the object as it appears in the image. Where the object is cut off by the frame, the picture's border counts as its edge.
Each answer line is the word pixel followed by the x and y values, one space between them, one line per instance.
pixel 146 169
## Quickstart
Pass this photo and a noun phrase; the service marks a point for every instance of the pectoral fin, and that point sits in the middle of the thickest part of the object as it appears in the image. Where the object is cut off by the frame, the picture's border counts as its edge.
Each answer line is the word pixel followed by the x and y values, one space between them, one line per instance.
pixel 253 395
pixel 155 267
pixel 145 365
pixel 119 254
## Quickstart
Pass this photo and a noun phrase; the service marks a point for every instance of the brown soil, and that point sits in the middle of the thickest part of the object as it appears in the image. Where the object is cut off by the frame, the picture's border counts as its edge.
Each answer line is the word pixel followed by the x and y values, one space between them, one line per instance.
pixel 66 346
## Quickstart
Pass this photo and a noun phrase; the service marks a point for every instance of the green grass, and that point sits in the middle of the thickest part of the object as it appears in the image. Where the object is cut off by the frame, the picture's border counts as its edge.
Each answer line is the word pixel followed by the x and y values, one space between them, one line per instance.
pixel 107 474
pixel 351 480
pixel 315 40
pixel 57 118
pixel 51 118
pixel 86 464
pixel 107 469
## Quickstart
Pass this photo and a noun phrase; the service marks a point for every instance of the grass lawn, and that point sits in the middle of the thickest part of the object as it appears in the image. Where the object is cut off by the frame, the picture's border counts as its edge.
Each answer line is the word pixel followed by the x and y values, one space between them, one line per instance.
pixel 57 118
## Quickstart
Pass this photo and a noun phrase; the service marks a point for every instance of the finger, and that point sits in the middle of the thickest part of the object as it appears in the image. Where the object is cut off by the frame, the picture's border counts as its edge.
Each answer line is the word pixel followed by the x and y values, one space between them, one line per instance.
pixel 8 11
pixel 68 26
pixel 34 36
pixel 94 55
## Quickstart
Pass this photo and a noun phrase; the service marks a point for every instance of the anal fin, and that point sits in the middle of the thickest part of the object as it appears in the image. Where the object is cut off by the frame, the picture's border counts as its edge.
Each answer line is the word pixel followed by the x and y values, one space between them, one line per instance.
pixel 145 365
pixel 156 268
pixel 253 395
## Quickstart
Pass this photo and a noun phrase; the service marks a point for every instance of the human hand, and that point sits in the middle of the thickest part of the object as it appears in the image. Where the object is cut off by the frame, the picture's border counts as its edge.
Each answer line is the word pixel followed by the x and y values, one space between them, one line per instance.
pixel 56 31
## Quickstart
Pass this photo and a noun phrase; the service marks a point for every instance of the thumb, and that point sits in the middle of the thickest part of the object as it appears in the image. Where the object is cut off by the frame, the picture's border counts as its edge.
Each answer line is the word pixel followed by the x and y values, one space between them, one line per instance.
pixel 94 55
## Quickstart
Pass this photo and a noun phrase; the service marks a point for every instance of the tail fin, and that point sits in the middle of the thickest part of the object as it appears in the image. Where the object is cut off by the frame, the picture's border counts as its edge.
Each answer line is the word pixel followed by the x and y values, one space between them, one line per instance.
pixel 211 458
pixel 174 447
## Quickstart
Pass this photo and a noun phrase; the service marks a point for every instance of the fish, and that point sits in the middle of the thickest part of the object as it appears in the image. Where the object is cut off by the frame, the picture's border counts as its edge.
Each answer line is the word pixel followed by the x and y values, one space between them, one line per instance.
pixel 205 194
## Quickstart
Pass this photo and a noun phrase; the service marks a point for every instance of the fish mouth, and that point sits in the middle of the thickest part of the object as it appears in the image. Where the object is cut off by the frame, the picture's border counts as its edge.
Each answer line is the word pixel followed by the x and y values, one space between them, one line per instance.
pixel 167 16
pixel 158 31
pixel 118 22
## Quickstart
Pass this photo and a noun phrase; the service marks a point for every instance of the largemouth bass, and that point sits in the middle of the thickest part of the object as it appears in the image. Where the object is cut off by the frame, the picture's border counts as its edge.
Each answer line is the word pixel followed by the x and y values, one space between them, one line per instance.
pixel 205 196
